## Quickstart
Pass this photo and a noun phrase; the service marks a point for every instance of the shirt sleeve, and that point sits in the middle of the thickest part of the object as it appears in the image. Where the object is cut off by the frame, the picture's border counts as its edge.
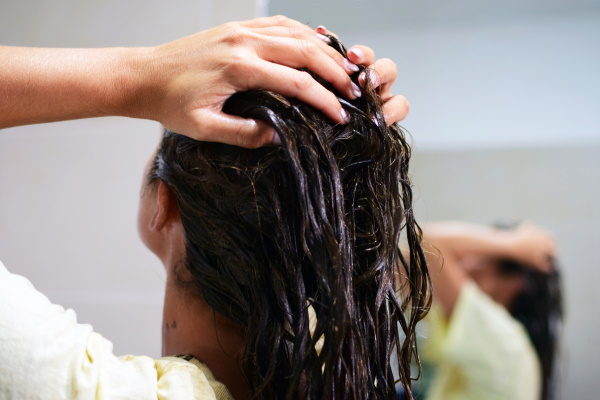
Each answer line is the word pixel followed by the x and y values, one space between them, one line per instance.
pixel 491 349
pixel 46 354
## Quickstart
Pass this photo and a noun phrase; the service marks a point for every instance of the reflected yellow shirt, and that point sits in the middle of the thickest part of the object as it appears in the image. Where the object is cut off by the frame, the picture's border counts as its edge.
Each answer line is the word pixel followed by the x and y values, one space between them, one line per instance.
pixel 46 354
pixel 482 353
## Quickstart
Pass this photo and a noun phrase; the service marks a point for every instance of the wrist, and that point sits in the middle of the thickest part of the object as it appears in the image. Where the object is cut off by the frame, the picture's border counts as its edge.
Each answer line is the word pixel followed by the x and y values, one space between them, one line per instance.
pixel 135 85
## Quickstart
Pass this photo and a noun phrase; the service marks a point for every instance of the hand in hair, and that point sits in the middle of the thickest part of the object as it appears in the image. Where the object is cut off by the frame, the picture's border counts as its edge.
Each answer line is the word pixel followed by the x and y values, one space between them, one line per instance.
pixel 183 84
pixel 451 242
pixel 261 54
pixel 533 247
pixel 382 74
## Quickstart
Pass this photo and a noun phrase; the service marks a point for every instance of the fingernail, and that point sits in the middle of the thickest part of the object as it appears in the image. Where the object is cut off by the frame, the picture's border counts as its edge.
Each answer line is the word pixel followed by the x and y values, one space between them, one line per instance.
pixel 361 78
pixel 276 139
pixel 374 78
pixel 350 66
pixel 357 53
pixel 321 29
pixel 345 116
pixel 324 38
pixel 356 90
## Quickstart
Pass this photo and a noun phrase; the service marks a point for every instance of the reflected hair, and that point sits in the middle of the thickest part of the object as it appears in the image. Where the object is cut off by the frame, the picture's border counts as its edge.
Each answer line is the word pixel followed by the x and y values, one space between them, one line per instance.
pixel 275 233
pixel 539 307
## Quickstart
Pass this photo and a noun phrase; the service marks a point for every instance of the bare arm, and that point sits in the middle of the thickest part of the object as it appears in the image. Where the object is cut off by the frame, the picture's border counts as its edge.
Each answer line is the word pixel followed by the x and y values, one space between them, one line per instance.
pixel 528 244
pixel 46 85
pixel 184 84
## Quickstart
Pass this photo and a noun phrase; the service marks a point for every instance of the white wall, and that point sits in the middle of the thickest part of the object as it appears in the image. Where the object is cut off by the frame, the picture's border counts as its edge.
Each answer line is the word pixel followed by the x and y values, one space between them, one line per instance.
pixel 525 82
pixel 70 190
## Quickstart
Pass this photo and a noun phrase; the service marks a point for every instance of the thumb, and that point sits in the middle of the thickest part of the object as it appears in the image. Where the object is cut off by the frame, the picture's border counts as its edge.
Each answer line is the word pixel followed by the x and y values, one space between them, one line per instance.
pixel 216 126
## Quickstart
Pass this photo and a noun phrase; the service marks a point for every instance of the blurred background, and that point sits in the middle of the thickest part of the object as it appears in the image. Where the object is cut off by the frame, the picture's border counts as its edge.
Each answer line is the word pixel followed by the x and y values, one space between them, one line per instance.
pixel 504 111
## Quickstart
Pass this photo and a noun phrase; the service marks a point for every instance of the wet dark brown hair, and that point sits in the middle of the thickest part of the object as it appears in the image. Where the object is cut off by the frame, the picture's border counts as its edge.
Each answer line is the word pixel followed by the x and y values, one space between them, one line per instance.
pixel 314 222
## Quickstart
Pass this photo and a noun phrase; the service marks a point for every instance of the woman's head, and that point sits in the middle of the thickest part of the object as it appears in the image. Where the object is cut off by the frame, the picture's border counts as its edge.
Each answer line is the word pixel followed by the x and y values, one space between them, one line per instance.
pixel 315 222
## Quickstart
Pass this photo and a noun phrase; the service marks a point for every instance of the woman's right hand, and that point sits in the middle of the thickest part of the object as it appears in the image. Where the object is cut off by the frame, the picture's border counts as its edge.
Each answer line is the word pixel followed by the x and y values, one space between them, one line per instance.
pixel 186 82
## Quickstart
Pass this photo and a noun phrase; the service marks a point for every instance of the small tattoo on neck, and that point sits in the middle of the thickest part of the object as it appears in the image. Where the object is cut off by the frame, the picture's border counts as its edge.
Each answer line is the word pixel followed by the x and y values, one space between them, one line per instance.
pixel 168 326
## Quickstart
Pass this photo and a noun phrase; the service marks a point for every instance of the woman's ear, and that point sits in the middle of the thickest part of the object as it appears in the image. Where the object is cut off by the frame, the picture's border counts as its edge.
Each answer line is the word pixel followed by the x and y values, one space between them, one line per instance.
pixel 166 209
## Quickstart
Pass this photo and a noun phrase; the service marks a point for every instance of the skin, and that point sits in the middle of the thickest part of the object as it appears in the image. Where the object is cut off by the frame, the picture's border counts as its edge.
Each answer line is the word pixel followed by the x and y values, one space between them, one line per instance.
pixel 184 84
pixel 190 326
pixel 458 251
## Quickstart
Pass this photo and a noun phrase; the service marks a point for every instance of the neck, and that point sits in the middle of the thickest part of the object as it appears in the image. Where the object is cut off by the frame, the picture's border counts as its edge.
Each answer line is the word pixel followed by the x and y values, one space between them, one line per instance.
pixel 190 326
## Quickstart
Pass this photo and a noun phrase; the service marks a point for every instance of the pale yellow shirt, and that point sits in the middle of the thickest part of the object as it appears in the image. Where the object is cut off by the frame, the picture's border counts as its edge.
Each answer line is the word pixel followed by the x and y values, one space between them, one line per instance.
pixel 46 354
pixel 482 353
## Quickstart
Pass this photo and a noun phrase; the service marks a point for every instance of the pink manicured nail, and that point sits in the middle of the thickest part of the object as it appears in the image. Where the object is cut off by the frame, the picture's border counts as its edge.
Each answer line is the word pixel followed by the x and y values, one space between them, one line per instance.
pixel 373 77
pixel 345 116
pixel 356 90
pixel 323 38
pixel 357 53
pixel 361 78
pixel 321 29
pixel 352 67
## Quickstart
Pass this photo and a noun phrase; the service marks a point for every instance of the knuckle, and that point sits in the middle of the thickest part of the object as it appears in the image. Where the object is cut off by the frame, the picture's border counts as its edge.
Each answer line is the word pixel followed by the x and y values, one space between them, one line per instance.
pixel 388 64
pixel 237 63
pixel 236 34
pixel 302 80
pixel 307 48
pixel 295 33
pixel 280 19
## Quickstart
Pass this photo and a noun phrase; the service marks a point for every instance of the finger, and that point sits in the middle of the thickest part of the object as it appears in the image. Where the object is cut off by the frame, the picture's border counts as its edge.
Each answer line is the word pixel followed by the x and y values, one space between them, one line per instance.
pixel 277 20
pixel 305 54
pixel 216 126
pixel 301 35
pixel 361 55
pixel 382 75
pixel 395 109
pixel 387 71
pixel 324 31
pixel 299 84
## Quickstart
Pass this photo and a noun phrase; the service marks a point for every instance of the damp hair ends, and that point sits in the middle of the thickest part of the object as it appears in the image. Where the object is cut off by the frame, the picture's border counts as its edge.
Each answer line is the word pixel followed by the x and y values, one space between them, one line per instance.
pixel 312 224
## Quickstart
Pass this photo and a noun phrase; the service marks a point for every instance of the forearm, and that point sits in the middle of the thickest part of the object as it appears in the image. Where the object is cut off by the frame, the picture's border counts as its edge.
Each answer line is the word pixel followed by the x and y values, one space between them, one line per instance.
pixel 460 239
pixel 447 277
pixel 46 85
pixel 448 243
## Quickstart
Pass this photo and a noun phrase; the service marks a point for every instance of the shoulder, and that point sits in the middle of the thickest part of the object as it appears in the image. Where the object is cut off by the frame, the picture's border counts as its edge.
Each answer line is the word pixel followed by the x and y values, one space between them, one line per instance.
pixel 491 348
pixel 172 377
pixel 45 351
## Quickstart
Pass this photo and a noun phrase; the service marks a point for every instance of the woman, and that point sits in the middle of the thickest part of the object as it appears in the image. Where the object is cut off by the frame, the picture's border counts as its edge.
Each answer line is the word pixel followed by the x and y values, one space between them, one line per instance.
pixel 254 243
pixel 493 333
